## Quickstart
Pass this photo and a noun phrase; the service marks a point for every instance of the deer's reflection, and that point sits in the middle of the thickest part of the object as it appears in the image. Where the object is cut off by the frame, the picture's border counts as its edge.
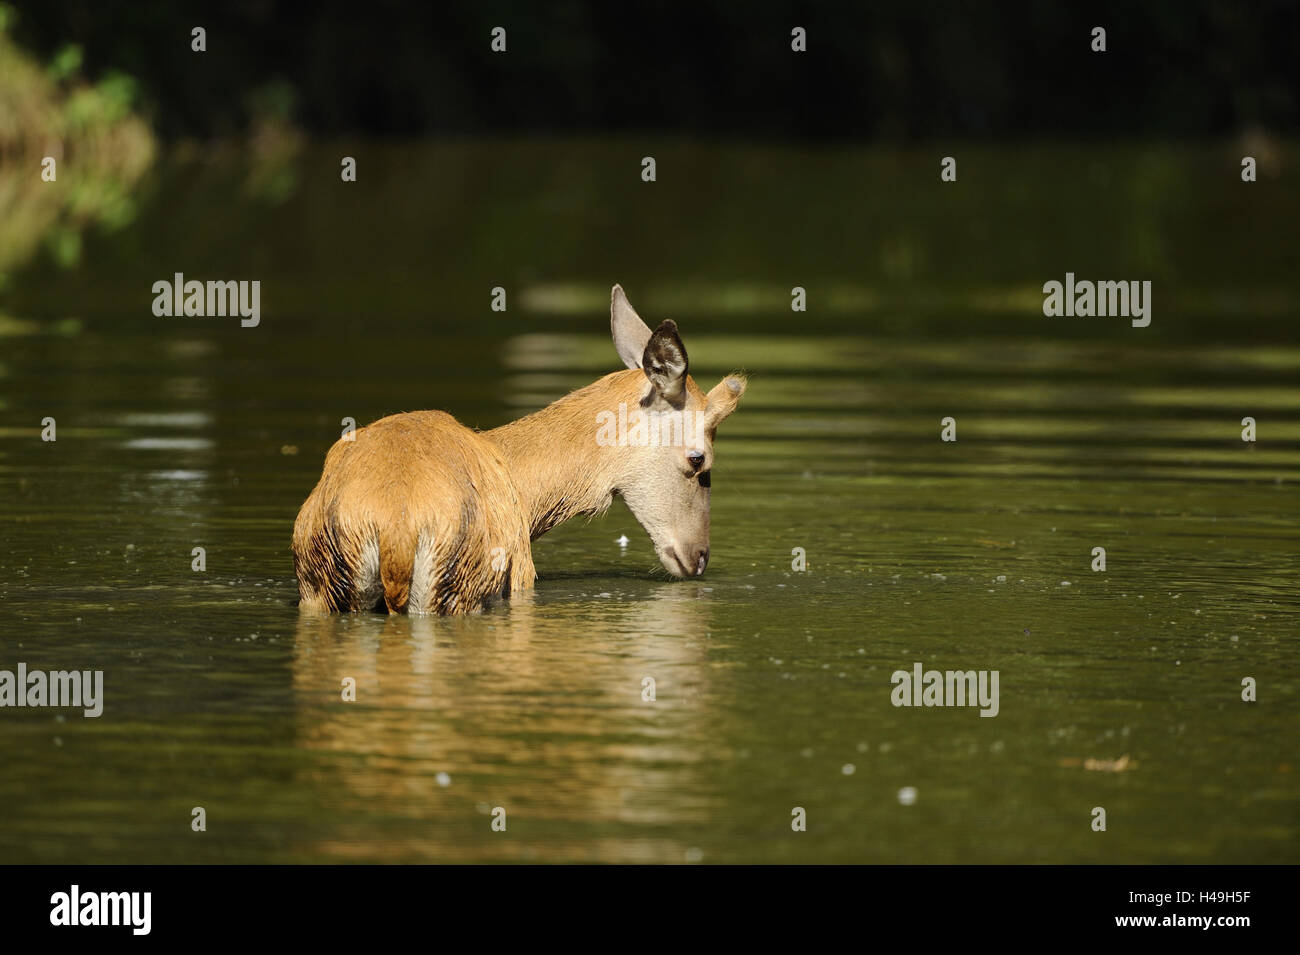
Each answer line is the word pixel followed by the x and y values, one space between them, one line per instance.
pixel 538 707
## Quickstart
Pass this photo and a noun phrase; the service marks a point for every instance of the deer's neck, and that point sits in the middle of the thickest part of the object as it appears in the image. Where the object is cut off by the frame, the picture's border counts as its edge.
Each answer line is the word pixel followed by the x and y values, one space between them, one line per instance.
pixel 558 468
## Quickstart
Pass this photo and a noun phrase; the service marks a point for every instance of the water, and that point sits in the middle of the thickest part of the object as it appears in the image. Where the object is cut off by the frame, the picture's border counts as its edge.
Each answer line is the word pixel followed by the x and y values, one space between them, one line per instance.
pixel 772 685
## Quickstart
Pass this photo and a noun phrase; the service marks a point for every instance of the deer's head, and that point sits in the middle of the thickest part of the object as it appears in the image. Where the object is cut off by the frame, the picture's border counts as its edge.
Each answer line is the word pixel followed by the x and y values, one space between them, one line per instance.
pixel 665 479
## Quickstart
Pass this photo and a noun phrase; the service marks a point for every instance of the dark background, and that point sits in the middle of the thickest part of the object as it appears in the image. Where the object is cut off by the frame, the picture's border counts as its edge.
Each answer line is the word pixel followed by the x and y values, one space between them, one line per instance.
pixel 710 68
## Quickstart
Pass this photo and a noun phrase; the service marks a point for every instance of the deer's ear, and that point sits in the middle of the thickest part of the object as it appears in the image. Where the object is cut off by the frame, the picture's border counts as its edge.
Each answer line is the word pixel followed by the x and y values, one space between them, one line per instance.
pixel 630 333
pixel 665 362
pixel 723 400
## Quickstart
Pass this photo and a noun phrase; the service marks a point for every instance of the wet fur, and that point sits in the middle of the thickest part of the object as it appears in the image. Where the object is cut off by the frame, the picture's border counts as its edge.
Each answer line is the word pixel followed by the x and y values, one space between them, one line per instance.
pixel 408 516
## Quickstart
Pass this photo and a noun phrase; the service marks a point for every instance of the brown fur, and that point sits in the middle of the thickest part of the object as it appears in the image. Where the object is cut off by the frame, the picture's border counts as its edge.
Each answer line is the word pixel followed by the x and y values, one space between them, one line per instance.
pixel 560 470
pixel 415 503
pixel 419 513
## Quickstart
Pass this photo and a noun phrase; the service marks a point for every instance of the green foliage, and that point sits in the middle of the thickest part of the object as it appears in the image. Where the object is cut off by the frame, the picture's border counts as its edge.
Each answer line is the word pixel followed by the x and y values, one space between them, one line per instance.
pixel 99 146
pixel 66 63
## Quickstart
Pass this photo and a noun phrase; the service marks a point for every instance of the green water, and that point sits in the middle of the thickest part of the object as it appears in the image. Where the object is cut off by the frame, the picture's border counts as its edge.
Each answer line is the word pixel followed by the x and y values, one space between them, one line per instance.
pixel 772 685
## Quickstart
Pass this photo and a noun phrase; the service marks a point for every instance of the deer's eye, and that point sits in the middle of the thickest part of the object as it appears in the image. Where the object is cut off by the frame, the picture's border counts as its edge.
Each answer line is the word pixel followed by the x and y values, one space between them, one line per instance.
pixel 695 459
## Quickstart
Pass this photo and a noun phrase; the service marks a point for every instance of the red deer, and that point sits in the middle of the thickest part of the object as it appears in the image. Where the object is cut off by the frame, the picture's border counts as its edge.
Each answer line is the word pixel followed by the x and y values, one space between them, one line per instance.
pixel 418 513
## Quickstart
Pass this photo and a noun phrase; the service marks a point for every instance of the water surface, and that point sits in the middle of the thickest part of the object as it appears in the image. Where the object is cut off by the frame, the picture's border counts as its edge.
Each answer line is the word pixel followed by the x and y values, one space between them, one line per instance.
pixel 773 685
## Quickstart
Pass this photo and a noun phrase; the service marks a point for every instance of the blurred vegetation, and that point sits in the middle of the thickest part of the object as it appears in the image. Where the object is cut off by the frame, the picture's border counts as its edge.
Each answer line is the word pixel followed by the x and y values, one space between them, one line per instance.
pixel 706 68
pixel 99 146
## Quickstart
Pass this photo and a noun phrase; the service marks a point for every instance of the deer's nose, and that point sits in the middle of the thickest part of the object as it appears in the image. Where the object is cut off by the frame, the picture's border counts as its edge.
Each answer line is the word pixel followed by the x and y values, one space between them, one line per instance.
pixel 701 560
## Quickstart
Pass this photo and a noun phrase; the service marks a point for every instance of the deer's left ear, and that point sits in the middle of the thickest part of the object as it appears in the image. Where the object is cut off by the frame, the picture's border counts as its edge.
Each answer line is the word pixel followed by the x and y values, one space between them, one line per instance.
pixel 665 362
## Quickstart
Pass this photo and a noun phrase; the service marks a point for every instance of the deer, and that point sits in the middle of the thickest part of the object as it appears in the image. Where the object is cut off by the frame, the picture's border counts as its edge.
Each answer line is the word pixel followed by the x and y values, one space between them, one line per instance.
pixel 417 513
